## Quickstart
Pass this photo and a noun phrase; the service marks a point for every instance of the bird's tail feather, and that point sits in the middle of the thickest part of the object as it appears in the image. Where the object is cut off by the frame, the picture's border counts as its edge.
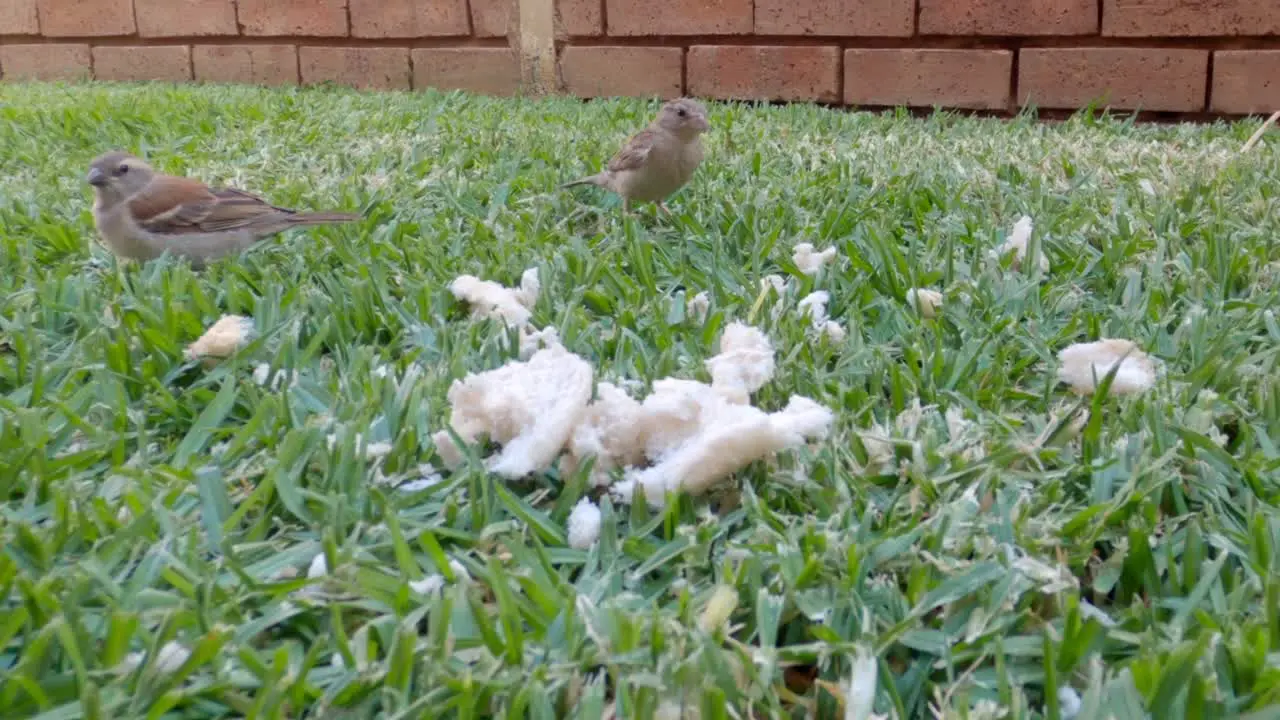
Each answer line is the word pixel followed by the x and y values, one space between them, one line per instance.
pixel 589 180
pixel 321 218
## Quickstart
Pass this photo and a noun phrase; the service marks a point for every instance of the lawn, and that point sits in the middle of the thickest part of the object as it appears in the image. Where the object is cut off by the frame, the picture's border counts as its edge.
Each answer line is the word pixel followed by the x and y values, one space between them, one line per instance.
pixel 182 540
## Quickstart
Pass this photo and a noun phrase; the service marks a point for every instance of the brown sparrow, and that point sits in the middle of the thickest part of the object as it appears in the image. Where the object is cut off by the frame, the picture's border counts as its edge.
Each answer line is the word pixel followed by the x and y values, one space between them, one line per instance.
pixel 659 160
pixel 141 213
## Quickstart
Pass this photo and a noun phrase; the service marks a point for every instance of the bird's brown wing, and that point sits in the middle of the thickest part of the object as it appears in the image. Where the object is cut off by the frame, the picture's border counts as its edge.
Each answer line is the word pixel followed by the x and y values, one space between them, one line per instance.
pixel 179 206
pixel 633 154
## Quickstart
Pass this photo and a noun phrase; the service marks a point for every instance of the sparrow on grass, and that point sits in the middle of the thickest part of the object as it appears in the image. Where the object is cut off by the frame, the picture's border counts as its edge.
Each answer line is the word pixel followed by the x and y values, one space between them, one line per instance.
pixel 141 213
pixel 657 161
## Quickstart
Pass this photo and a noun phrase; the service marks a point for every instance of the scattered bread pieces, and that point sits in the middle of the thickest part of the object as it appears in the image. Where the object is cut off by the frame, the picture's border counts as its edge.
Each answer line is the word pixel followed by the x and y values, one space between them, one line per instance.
pixel 745 362
pixel 1080 363
pixel 924 301
pixel 810 262
pixel 1018 242
pixel 490 299
pixel 223 338
pixel 529 407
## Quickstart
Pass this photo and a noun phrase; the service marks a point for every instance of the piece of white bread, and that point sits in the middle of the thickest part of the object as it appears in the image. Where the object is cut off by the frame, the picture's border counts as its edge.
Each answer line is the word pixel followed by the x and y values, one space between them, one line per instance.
pixel 530 408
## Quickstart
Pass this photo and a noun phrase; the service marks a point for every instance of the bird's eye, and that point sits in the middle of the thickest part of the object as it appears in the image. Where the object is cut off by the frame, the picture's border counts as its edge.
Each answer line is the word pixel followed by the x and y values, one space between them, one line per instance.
pixel 122 170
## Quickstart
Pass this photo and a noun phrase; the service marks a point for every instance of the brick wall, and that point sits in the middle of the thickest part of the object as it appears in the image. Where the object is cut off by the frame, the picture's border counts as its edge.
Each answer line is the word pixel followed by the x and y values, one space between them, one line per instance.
pixel 1176 56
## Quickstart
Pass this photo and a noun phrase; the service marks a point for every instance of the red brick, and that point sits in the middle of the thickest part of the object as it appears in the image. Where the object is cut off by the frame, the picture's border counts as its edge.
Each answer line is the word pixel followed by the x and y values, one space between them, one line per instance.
pixel 1245 82
pixel 1008 17
pixel 489 17
pixel 679 17
pixel 756 72
pixel 489 71
pixel 977 79
pixel 294 18
pixel 1124 78
pixel 248 64
pixel 889 18
pixel 86 18
pixel 1144 18
pixel 170 63
pixel 18 17
pixel 579 18
pixel 185 18
pixel 622 71
pixel 368 68
pixel 44 62
pixel 408 18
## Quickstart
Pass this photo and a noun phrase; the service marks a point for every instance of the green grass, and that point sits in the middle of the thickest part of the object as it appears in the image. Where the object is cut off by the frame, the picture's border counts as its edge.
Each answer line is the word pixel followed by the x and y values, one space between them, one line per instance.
pixel 147 499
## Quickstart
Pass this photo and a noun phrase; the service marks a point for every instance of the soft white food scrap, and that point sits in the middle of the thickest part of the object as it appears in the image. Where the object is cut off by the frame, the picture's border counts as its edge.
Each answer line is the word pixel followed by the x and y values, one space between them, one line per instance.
pixel 810 262
pixel 530 288
pixel 450 454
pixel 262 375
pixel 531 341
pixel 223 338
pixel 926 302
pixel 428 584
pixel 776 282
pixel 1080 362
pixel 1069 702
pixel 529 407
pixel 745 362
pixel 610 432
pixel 490 299
pixel 319 566
pixel 814 306
pixel 435 581
pixel 169 658
pixel 427 477
pixel 584 524
pixel 861 697
pixel 372 451
pixel 697 437
pixel 1018 242
pixel 720 607
pixel 699 306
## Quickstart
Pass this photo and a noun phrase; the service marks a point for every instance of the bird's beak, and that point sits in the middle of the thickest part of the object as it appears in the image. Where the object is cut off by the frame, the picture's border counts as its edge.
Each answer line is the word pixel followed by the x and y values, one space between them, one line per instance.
pixel 96 177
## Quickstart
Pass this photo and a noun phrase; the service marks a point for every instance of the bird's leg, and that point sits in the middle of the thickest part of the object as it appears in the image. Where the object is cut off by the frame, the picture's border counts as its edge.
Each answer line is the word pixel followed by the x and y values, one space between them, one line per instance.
pixel 663 207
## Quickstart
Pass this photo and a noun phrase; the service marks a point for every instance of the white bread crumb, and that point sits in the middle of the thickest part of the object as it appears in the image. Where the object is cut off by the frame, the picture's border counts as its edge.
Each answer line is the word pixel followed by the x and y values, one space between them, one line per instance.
pixel 489 299
pixel 810 262
pixel 529 407
pixel 745 362
pixel 777 282
pixel 584 524
pixel 609 431
pixel 814 306
pixel 699 306
pixel 1079 363
pixel 223 338
pixel 531 341
pixel 925 301
pixel 1018 242
pixel 697 437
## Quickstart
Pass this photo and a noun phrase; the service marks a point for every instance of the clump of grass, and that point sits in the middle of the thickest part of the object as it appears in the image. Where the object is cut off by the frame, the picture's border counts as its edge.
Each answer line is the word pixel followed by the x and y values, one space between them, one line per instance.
pixel 1004 544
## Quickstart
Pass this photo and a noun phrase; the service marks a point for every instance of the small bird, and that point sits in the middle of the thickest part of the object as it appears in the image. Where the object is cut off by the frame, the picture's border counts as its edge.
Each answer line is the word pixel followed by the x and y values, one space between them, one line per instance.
pixel 141 213
pixel 657 161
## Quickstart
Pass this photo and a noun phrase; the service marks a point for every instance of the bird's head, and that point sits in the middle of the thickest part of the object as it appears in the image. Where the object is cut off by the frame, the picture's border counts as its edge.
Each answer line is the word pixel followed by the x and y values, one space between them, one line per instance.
pixel 684 116
pixel 117 175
